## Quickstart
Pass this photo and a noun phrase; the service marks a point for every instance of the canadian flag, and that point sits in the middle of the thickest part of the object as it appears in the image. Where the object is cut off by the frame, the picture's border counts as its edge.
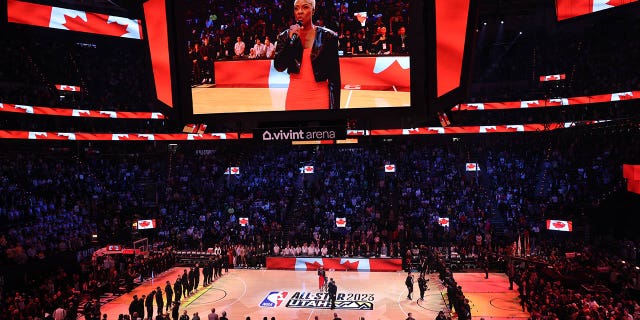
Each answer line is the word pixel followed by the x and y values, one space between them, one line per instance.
pixel 566 9
pixel 244 221
pixel 232 170
pixel 389 168
pixel 444 222
pixel 472 166
pixel 72 20
pixel 559 225
pixel 146 224
pixel 308 169
pixel 341 222
pixel 553 77
pixel 64 87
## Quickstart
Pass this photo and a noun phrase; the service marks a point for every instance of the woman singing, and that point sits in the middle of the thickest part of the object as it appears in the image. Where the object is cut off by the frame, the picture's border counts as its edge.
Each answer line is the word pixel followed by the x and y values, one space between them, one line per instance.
pixel 322 279
pixel 309 53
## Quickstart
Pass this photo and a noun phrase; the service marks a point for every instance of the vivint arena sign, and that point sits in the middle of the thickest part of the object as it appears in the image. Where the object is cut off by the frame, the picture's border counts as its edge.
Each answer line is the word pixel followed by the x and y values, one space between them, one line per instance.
pixel 299 134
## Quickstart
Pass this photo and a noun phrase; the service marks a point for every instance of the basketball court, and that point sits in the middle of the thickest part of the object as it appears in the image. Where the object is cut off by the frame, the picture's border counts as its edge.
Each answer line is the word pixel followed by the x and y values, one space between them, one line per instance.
pixel 295 295
pixel 211 99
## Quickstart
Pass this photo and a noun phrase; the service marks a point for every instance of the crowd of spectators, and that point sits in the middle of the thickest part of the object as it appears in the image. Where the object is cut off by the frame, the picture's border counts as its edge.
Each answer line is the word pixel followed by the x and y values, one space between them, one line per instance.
pixel 571 280
pixel 101 191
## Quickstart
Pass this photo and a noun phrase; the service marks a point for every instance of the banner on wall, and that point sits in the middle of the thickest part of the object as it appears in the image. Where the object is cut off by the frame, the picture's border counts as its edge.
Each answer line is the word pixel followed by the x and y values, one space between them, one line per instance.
pixel 337 264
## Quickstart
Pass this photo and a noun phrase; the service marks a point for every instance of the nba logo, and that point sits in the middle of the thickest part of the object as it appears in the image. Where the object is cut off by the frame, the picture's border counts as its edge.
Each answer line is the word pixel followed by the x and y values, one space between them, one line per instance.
pixel 273 299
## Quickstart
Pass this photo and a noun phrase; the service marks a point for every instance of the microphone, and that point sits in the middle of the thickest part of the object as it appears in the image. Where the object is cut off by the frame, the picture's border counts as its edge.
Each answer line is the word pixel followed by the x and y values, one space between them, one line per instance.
pixel 294 37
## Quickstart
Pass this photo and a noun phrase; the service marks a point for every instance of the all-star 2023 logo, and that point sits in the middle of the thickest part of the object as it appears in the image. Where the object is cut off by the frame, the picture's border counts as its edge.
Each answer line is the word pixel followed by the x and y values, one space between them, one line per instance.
pixel 274 299
pixel 320 300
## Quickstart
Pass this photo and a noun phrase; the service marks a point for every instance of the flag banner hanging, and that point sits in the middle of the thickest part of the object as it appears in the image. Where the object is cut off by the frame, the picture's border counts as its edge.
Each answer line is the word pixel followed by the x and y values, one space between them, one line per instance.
pixel 553 77
pixel 444 222
pixel 472 166
pixel 559 225
pixel 232 170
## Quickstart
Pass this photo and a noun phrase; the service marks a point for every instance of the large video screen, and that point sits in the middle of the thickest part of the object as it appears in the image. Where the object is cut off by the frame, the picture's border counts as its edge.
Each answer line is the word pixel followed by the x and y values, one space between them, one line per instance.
pixel 292 55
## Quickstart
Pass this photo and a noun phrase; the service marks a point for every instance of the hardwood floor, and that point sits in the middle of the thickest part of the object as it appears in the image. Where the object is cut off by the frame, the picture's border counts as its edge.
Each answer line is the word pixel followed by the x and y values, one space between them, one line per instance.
pixel 295 295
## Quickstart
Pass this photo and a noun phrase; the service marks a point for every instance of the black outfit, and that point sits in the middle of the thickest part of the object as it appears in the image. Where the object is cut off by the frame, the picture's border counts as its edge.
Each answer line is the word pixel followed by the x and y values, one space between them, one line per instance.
pixel 511 274
pixel 207 70
pixel 381 45
pixel 169 293
pixel 400 44
pixel 192 281
pixel 226 50
pixel 360 46
pixel 196 64
pixel 177 291
pixel 132 307
pixel 149 304
pixel 184 282
pixel 159 301
pixel 422 285
pixel 486 268
pixel 333 291
pixel 140 307
pixel 324 59
pixel 466 312
pixel 196 278
pixel 409 283
pixel 175 311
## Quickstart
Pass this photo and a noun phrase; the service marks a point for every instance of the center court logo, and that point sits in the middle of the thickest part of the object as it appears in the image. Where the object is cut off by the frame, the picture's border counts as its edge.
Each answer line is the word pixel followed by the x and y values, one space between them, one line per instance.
pixel 320 300
pixel 274 299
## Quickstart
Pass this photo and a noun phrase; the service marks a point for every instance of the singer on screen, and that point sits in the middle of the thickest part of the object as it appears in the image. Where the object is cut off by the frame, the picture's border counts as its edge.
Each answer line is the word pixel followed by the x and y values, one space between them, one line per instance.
pixel 309 53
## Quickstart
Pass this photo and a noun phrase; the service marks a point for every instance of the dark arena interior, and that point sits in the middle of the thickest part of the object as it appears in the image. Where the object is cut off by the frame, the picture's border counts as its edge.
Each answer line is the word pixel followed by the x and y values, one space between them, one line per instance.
pixel 151 169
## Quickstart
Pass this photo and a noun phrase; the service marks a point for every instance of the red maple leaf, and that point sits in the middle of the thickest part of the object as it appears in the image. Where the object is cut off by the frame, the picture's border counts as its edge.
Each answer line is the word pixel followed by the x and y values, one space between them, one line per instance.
pixel 444 220
pixel 616 3
pixel 235 170
pixel 415 130
pixel 471 166
pixel 96 23
pixel 244 221
pixel 535 103
pixel 341 221
pixel 559 224
pixel 313 266
pixel 145 223
pixel 350 265
pixel 390 168
pixel 308 168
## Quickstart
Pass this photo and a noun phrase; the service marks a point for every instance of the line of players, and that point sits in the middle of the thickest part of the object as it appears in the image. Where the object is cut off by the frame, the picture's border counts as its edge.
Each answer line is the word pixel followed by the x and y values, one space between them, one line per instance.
pixel 184 286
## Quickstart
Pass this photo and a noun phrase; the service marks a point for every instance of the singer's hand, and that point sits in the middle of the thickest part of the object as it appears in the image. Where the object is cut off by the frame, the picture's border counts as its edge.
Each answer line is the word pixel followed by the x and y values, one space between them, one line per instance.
pixel 294 29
